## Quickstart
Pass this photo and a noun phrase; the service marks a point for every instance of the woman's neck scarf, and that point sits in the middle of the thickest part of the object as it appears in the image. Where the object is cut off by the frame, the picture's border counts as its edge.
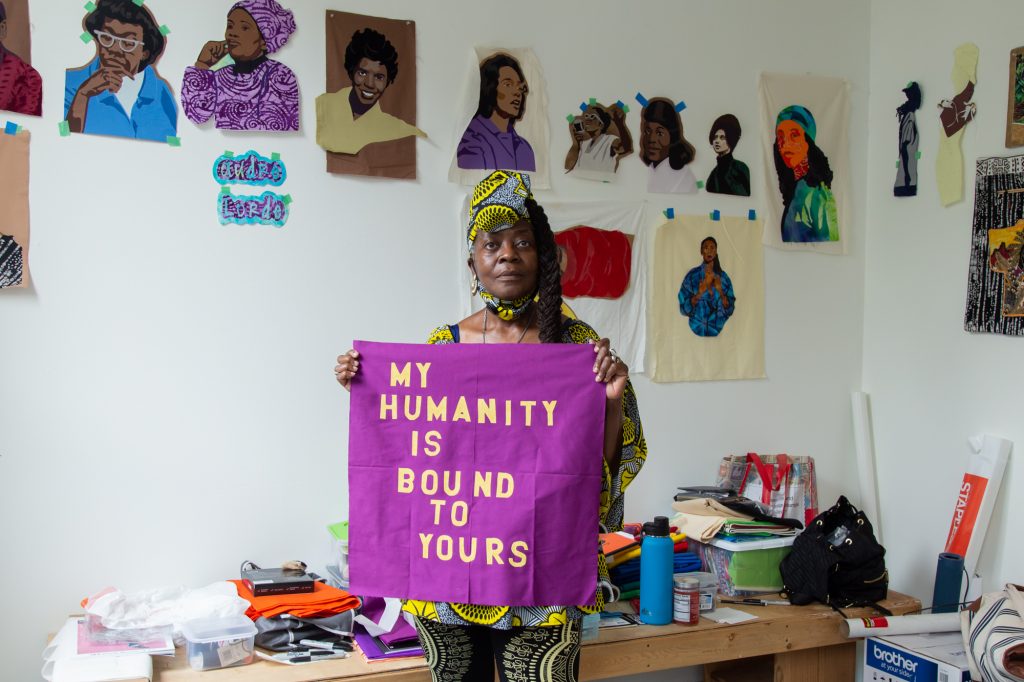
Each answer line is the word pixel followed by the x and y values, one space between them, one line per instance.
pixel 498 203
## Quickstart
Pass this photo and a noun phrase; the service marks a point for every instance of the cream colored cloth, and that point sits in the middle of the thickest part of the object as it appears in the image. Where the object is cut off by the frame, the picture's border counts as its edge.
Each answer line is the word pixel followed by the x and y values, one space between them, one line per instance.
pixel 949 164
pixel 702 518
pixel 337 131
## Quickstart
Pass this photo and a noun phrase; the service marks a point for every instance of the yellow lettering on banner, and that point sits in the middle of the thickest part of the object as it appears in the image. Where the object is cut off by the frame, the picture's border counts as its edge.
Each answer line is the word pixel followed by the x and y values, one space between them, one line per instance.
pixel 528 406
pixel 388 403
pixel 432 443
pixel 506 486
pixel 437 411
pixel 482 483
pixel 485 409
pixel 461 411
pixel 428 482
pixel 425 541
pixel 423 367
pixel 409 415
pixel 462 550
pixel 438 505
pixel 444 547
pixel 508 413
pixel 400 377
pixel 460 514
pixel 518 548
pixel 415 443
pixel 549 407
pixel 452 489
pixel 494 547
pixel 405 480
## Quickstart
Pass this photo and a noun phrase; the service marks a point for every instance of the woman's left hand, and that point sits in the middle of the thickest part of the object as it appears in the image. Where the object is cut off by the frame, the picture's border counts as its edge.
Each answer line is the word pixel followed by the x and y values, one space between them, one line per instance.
pixel 610 369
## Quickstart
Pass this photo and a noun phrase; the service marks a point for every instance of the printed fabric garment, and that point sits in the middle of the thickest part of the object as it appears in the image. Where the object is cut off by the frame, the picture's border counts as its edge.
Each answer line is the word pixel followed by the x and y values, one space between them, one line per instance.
pixel 709 314
pixel 483 146
pixel 811 215
pixel 663 179
pixel 337 131
pixel 729 176
pixel 21 88
pixel 613 487
pixel 10 262
pixel 154 116
pixel 906 174
pixel 259 95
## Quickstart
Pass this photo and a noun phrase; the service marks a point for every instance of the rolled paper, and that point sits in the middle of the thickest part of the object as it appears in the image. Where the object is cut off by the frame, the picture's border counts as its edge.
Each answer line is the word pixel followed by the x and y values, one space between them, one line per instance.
pixel 865 459
pixel 901 625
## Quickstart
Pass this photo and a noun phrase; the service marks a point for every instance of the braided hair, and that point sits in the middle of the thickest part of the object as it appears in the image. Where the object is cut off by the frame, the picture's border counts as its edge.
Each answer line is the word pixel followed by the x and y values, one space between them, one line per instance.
pixel 549 277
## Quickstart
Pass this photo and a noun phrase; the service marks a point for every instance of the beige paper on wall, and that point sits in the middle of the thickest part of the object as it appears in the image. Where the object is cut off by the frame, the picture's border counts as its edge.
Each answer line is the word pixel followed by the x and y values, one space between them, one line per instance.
pixel 956 113
pixel 504 118
pixel 706 320
pixel 824 206
pixel 14 210
pixel 381 141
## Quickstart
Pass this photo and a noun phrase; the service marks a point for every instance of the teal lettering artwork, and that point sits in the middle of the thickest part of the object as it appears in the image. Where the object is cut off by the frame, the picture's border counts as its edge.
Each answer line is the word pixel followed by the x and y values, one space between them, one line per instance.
pixel 250 168
pixel 265 209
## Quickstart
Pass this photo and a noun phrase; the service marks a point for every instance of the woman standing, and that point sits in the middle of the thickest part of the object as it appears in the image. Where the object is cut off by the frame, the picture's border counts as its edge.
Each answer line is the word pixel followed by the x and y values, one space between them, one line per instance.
pixel 255 92
pixel 514 263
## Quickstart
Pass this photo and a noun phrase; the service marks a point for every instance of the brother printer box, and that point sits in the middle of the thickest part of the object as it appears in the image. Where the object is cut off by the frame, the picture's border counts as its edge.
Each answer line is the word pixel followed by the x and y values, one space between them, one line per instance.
pixel 937 657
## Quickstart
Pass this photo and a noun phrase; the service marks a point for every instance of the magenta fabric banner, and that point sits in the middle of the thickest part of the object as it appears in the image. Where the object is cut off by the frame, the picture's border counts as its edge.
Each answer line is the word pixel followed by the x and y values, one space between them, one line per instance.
pixel 475 473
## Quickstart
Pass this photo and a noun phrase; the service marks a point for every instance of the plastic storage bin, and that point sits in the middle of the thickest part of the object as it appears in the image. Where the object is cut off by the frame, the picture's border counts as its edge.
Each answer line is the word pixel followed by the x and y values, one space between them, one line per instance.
pixel 213 643
pixel 745 567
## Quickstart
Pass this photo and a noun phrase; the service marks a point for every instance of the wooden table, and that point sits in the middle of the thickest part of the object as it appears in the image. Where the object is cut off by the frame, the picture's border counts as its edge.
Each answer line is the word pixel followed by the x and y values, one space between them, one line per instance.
pixel 805 641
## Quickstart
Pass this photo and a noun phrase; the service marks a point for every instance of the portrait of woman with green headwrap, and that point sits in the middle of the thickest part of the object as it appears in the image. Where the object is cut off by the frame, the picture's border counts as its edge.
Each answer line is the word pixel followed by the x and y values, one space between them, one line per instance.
pixel 513 258
pixel 805 179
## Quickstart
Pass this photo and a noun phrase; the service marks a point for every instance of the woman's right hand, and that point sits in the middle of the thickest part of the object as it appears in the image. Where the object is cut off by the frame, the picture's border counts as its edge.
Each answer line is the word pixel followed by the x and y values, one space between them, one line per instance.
pixel 211 53
pixel 345 370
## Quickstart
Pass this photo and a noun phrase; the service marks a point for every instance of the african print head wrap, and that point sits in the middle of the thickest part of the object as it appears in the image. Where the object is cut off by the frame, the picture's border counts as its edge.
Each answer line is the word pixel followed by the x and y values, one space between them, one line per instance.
pixel 276 23
pixel 498 203
pixel 801 117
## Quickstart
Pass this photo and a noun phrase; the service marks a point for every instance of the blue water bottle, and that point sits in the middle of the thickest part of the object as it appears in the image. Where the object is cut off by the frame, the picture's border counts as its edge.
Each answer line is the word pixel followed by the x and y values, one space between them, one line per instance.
pixel 656 573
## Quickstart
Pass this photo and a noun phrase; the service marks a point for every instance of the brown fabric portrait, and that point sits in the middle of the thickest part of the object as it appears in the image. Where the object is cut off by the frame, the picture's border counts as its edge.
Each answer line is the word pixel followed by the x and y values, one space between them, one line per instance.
pixel 395 158
pixel 14 197
pixel 19 37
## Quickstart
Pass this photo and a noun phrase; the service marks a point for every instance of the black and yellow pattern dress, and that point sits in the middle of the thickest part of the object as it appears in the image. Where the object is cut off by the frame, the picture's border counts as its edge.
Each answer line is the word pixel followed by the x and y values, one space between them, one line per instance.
pixel 614 484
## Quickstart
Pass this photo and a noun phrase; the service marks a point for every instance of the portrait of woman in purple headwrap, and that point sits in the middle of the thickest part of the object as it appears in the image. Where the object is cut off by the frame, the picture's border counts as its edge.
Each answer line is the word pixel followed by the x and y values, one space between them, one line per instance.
pixel 254 92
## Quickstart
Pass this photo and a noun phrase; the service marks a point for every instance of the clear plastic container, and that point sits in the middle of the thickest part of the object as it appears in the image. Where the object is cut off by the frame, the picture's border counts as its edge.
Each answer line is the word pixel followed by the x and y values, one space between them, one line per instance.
pixel 590 626
pixel 213 643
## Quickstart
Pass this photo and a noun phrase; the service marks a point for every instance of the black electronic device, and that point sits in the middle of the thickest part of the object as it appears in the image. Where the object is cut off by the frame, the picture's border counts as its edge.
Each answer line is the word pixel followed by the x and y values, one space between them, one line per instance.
pixel 263 582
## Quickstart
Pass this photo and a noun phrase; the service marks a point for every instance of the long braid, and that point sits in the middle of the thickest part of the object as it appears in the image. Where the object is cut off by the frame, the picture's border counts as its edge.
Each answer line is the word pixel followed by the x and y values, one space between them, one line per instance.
pixel 549 305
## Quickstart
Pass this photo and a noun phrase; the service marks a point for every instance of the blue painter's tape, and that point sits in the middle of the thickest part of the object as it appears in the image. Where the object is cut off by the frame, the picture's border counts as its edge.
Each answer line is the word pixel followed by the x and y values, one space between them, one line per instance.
pixel 670 213
pixel 751 214
pixel 583 106
pixel 680 106
pixel 716 215
pixel 641 99
pixel 11 128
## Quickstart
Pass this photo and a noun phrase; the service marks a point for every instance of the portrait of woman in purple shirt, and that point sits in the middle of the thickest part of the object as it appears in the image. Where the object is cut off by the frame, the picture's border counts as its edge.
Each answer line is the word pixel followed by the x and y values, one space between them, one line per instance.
pixel 490 140
pixel 255 92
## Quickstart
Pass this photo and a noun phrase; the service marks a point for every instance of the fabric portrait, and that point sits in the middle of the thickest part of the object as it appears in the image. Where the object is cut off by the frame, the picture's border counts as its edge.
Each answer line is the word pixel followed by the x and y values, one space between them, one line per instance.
pixel 598 140
pixel 21 87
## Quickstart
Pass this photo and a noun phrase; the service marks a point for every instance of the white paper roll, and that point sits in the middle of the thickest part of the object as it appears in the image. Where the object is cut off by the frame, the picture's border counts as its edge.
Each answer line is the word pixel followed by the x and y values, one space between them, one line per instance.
pixel 901 625
pixel 865 460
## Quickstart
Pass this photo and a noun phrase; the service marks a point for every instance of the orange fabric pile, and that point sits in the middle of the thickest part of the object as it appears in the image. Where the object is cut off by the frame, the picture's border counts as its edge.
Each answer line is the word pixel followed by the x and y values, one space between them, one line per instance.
pixel 323 601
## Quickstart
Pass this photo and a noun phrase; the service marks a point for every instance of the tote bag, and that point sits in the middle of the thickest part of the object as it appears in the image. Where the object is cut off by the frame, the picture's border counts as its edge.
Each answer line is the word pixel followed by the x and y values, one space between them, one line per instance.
pixel 785 484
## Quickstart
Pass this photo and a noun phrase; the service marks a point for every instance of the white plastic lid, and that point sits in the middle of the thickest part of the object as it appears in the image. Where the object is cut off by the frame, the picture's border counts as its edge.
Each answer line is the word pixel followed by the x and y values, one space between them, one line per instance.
pixel 201 630
pixel 703 579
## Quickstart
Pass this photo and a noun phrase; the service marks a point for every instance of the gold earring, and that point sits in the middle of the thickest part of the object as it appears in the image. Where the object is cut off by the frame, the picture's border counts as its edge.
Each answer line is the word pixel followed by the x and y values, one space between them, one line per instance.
pixel 474 286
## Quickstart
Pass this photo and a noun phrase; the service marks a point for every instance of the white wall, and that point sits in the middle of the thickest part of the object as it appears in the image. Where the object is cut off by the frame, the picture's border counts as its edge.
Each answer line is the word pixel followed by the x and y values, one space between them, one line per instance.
pixel 931 383
pixel 168 406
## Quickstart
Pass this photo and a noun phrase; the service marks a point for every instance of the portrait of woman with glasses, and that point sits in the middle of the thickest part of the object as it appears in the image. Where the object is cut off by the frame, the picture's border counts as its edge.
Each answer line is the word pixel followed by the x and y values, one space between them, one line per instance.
pixel 119 91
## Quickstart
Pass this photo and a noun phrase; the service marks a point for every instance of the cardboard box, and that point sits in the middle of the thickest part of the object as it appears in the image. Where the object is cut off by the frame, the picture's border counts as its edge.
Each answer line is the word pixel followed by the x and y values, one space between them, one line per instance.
pixel 937 657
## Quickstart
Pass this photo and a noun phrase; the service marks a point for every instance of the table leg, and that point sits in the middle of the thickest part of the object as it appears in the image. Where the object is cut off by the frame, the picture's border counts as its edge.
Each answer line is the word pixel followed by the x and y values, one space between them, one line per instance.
pixel 837 663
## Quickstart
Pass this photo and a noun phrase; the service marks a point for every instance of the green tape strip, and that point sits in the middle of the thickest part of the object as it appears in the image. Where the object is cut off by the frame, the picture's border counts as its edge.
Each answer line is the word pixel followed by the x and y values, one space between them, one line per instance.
pixel 85 38
pixel 592 100
pixel 625 108
pixel 173 141
pixel 700 184
pixel 275 156
pixel 569 118
pixel 64 128
pixel 90 7
pixel 897 164
pixel 139 2
pixel 229 154
pixel 917 155
pixel 164 30
pixel 287 199
pixel 225 190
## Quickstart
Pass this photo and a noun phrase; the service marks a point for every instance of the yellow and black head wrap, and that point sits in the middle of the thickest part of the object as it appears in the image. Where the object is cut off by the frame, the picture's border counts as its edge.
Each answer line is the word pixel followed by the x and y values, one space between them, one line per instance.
pixel 499 202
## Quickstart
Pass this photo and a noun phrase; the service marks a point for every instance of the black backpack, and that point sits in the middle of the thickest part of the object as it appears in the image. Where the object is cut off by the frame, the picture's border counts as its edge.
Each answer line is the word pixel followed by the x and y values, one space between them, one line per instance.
pixel 837 561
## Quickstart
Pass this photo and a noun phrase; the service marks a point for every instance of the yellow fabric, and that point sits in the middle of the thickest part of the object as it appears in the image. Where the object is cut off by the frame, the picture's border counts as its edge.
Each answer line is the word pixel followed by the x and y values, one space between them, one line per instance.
pixel 337 131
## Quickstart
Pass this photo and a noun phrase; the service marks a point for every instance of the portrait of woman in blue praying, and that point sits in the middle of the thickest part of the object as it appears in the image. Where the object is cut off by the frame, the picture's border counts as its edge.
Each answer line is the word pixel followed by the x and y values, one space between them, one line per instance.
pixel 706 296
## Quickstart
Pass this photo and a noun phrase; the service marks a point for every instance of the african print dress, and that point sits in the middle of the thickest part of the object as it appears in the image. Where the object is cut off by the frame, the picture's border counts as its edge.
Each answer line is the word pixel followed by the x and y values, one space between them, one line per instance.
pixel 614 484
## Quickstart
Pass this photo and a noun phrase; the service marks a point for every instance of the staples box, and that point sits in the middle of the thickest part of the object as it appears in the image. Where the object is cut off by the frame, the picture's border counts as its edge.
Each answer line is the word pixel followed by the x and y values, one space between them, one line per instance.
pixel 936 657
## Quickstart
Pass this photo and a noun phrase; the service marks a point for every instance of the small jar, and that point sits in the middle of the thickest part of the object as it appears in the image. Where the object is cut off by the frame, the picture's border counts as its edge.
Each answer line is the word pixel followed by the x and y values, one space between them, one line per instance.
pixel 686 601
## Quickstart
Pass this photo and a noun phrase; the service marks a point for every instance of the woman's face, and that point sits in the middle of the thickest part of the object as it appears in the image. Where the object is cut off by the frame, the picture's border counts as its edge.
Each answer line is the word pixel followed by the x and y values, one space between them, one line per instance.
pixel 791 142
pixel 511 92
pixel 656 141
pixel 591 121
pixel 120 46
pixel 369 80
pixel 708 251
pixel 245 42
pixel 507 262
pixel 720 143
